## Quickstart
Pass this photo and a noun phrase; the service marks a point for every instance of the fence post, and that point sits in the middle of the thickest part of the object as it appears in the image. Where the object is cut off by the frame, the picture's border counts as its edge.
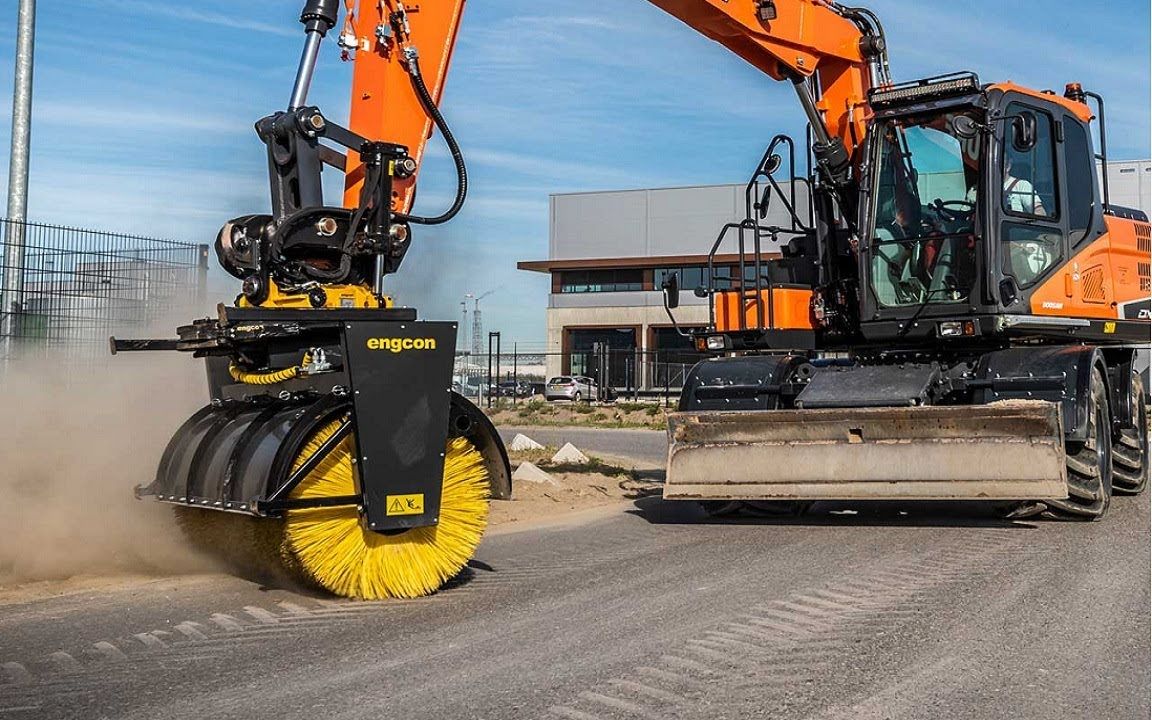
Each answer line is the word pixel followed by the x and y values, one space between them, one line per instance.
pixel 201 276
pixel 11 286
pixel 493 338
pixel 515 374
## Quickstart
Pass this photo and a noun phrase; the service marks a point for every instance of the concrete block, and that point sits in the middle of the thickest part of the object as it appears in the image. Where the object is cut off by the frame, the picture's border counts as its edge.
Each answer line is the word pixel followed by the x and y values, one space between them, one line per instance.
pixel 569 455
pixel 522 442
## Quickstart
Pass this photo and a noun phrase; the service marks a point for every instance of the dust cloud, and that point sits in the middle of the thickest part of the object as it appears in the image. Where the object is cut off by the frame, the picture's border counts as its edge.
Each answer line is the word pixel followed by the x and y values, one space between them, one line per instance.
pixel 76 438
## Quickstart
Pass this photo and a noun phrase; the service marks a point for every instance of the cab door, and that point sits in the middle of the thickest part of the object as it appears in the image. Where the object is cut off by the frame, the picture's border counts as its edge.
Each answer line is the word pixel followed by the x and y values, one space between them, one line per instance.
pixel 1079 283
pixel 1027 197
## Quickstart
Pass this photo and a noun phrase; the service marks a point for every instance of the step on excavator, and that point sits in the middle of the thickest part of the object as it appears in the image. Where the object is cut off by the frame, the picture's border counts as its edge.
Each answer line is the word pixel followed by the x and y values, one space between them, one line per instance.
pixel 951 313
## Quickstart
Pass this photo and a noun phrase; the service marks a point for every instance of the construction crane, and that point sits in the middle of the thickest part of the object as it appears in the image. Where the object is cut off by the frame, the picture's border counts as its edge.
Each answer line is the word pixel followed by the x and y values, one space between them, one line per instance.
pixel 478 325
pixel 954 316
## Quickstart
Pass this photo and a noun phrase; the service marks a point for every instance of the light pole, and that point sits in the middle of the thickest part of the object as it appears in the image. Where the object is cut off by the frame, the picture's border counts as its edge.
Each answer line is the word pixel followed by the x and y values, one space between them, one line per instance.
pixel 12 288
pixel 465 355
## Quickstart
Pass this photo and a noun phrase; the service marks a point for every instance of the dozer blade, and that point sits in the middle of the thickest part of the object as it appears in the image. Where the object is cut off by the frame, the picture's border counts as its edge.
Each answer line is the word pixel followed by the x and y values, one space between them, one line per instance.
pixel 1001 451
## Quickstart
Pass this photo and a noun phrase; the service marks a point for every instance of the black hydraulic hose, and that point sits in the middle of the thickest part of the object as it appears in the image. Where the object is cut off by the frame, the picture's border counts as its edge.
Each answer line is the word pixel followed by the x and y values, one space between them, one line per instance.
pixel 453 147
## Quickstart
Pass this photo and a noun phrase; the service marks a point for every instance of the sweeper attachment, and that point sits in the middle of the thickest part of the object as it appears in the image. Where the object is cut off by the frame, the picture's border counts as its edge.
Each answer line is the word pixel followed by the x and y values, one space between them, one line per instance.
pixel 333 445
pixel 340 428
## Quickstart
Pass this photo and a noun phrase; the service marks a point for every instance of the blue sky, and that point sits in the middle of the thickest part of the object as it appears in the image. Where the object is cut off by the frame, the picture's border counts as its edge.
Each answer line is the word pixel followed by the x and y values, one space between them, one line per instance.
pixel 143 113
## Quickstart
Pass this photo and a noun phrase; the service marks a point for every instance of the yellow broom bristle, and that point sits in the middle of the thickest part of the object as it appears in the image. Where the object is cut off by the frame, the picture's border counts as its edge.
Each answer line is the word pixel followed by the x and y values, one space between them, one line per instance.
pixel 333 547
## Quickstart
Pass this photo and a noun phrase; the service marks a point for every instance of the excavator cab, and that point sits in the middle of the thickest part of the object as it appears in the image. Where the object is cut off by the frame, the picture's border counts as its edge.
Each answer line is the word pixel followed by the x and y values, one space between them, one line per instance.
pixel 980 197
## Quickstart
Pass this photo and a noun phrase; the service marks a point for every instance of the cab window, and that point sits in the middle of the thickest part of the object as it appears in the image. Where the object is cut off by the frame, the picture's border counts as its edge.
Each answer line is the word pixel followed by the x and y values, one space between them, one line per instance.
pixel 1030 251
pixel 1030 175
pixel 1081 183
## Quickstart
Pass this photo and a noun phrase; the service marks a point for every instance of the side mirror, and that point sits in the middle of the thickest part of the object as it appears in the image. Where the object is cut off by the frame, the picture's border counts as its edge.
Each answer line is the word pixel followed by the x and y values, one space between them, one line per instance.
pixel 671 288
pixel 1024 132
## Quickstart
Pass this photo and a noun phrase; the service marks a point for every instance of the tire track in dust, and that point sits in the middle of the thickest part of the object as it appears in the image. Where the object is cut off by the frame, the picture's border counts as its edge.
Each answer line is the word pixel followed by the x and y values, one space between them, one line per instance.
pixel 785 643
pixel 26 683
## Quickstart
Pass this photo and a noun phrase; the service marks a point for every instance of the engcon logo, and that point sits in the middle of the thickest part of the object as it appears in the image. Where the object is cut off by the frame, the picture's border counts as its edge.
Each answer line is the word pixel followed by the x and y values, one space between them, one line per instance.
pixel 398 345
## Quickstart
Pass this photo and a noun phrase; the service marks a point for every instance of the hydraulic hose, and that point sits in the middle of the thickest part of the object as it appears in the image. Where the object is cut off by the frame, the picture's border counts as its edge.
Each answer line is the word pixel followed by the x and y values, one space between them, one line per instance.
pixel 270 377
pixel 262 378
pixel 449 139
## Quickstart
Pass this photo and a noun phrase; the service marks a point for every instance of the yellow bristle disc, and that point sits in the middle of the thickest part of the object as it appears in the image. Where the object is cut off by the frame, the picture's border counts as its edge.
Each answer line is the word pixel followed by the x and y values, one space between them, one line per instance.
pixel 333 547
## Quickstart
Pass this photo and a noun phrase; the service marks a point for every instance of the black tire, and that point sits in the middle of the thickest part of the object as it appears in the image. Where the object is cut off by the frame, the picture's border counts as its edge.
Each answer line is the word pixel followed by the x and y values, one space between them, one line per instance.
pixel 576 397
pixel 1089 463
pixel 1130 446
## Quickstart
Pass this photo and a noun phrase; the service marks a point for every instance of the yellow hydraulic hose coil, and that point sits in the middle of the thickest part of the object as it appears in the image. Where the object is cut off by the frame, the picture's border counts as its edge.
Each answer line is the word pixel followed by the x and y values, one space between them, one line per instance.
pixel 270 377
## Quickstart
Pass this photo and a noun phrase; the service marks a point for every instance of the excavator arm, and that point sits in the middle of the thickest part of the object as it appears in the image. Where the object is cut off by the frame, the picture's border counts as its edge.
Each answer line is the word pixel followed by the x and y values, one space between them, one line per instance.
pixel 389 41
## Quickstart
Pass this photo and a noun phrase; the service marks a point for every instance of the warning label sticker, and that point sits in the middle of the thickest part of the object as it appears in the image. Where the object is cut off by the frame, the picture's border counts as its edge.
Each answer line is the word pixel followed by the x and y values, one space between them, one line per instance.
pixel 406 504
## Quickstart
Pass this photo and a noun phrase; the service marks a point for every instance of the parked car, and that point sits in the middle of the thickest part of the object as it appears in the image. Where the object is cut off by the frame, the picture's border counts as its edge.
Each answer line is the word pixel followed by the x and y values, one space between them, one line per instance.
pixel 570 387
pixel 511 388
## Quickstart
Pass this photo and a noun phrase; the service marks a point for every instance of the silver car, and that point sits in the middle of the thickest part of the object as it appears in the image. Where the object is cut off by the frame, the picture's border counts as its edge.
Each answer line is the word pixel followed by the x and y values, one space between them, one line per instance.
pixel 570 387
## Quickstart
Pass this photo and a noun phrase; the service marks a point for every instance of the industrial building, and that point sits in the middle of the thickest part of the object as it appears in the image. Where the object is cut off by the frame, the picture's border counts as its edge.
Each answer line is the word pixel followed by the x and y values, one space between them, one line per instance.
pixel 608 253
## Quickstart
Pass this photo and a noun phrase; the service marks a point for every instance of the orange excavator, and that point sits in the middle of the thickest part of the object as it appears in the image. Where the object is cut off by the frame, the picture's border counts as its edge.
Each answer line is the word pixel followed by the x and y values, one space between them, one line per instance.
pixel 951 312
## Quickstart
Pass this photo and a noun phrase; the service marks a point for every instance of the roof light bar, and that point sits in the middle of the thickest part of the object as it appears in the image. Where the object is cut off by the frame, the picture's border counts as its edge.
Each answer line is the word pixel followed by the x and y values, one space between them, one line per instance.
pixel 922 90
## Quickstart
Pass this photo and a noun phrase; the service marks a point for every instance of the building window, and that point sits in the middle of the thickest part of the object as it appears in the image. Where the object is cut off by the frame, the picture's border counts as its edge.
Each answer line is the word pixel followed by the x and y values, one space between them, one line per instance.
pixel 585 281
pixel 690 277
pixel 697 276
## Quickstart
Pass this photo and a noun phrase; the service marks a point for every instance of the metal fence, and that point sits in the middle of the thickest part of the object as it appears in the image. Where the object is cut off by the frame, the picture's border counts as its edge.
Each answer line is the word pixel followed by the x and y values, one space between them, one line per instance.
pixel 625 374
pixel 70 288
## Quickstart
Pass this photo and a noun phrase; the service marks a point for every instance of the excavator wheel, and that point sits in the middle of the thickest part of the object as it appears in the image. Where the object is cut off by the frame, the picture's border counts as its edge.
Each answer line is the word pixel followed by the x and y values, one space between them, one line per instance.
pixel 1089 463
pixel 1130 446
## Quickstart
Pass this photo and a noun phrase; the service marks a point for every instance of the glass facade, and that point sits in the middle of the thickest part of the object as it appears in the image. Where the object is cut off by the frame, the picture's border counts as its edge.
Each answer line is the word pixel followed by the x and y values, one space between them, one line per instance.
pixel 590 281
pixel 632 279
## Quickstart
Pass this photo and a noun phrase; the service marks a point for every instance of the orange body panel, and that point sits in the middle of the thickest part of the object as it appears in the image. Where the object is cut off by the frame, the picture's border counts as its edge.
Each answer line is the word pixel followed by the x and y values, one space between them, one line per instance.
pixel 384 104
pixel 1102 276
pixel 806 38
pixel 791 309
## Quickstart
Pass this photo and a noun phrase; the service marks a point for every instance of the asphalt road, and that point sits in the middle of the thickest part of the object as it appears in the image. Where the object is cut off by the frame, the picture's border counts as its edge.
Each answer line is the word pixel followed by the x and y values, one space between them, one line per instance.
pixel 644 610
pixel 647 446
